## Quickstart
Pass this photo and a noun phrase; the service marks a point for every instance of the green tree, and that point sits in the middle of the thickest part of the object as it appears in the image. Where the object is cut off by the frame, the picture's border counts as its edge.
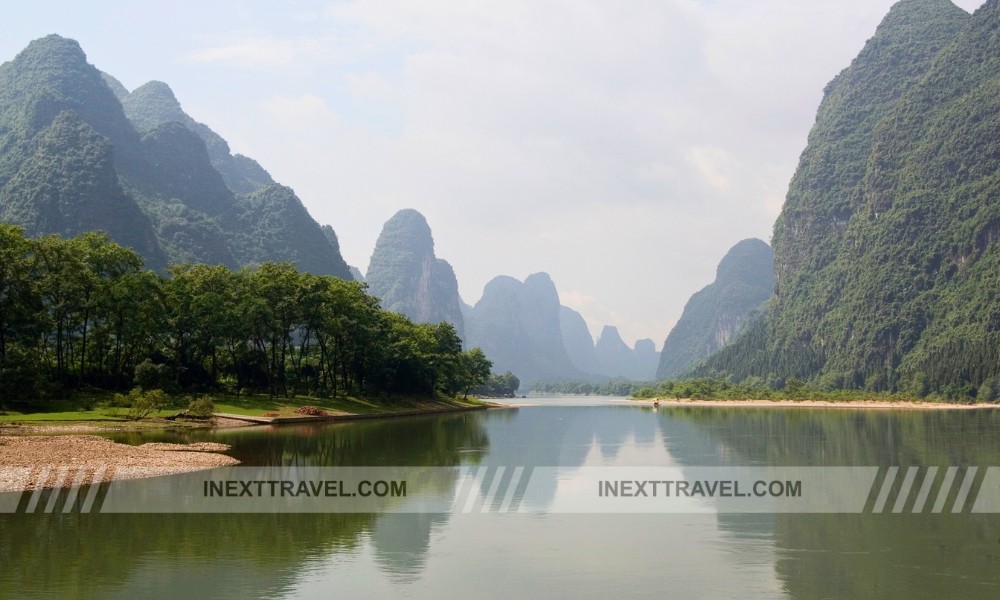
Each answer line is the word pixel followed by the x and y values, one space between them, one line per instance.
pixel 476 369
pixel 20 314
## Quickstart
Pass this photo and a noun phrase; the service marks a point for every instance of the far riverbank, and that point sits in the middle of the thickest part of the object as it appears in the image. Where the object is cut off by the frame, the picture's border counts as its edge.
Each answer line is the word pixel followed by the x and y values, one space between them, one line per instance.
pixel 840 404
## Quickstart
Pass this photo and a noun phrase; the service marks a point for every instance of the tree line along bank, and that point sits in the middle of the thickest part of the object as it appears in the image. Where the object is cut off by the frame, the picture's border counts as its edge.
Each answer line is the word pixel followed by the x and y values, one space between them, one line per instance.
pixel 85 314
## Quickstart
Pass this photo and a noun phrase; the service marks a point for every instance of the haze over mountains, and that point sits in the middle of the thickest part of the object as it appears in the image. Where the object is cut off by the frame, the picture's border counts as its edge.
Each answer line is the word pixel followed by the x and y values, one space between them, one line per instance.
pixel 885 271
pixel 521 326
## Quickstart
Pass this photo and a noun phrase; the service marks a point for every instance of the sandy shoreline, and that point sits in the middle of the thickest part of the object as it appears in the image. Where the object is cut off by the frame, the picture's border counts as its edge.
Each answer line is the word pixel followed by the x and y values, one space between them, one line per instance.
pixel 73 460
pixel 855 404
pixel 64 455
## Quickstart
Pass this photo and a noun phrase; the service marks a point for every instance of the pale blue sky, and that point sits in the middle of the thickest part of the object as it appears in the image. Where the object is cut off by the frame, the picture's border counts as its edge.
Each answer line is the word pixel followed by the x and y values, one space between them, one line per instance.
pixel 622 147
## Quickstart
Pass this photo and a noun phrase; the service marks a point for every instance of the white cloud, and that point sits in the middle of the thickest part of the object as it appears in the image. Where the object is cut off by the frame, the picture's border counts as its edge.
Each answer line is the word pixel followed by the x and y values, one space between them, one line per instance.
pixel 712 164
pixel 264 51
pixel 374 87
pixel 299 113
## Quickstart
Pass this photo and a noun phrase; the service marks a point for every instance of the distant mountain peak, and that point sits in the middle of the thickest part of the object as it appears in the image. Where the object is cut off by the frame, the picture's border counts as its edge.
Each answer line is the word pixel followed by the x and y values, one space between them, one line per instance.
pixel 745 261
pixel 53 47
pixel 154 104
pixel 52 75
pixel 617 360
pixel 406 229
pixel 541 279
pixel 610 336
pixel 518 326
pixel 714 315
pixel 406 275
pixel 159 103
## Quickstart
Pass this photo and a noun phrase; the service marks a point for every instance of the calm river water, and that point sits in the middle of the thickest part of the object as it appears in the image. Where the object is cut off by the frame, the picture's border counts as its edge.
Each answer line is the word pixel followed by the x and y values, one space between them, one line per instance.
pixel 548 554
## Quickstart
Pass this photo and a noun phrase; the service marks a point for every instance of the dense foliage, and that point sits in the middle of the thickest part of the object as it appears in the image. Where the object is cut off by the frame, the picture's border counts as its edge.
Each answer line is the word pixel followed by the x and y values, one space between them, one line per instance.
pixel 757 389
pixel 84 313
pixel 503 385
pixel 885 251
pixel 615 387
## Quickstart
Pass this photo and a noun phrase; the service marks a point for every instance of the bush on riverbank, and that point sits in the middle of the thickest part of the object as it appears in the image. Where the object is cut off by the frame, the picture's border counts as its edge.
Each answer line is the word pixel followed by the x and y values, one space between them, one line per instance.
pixel 140 403
pixel 202 407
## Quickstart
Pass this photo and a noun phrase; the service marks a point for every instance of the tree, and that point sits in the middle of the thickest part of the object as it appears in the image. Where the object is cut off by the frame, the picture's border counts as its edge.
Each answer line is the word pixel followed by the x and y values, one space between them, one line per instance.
pixel 20 318
pixel 476 369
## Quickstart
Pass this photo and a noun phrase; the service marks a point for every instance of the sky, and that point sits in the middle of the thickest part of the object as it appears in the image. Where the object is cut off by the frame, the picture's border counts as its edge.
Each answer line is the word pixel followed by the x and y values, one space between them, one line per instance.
pixel 621 147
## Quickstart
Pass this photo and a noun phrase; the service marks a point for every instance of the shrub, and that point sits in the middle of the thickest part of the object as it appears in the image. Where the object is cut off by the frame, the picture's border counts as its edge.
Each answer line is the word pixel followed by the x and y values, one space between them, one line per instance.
pixel 201 407
pixel 140 403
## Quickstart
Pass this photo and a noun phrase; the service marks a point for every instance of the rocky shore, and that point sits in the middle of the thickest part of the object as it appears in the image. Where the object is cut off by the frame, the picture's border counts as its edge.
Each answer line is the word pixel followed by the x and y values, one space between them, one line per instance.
pixel 67 460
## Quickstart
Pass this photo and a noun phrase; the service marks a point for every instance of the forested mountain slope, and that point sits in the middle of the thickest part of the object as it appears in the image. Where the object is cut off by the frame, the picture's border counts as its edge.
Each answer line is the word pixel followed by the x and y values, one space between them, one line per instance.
pixel 888 271
pixel 74 159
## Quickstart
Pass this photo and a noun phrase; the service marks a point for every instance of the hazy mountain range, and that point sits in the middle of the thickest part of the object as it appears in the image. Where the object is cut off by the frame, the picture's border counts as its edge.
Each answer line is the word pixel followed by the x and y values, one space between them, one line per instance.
pixel 521 326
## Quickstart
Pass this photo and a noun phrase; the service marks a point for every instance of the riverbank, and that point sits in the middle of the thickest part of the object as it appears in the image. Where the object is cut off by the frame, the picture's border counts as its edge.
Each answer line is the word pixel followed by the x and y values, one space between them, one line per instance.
pixel 839 404
pixel 59 460
pixel 74 460
pixel 231 411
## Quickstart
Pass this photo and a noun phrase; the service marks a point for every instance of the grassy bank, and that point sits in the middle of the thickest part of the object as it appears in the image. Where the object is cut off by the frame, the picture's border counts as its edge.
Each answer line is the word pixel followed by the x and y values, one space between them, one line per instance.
pixel 104 411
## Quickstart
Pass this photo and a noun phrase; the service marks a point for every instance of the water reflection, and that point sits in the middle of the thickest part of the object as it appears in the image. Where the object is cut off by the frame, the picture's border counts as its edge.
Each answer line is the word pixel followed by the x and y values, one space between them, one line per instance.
pixel 560 555
pixel 868 556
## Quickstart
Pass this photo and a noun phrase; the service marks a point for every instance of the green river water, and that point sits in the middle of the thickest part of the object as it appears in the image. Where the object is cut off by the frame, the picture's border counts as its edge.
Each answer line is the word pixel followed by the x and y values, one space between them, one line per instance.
pixel 549 554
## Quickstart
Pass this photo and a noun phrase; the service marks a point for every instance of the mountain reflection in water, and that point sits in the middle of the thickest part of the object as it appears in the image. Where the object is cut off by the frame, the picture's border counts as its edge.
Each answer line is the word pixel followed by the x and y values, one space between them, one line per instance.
pixel 562 555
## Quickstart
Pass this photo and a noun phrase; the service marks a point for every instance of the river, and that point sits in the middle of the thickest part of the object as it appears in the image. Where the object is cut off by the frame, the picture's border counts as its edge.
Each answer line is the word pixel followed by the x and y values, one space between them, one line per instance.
pixel 540 544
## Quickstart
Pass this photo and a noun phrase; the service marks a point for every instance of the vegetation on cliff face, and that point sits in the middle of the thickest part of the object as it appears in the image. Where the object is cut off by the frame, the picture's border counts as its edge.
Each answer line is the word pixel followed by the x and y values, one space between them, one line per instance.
pixel 55 191
pixel 154 104
pixel 78 152
pixel 888 271
pixel 718 312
